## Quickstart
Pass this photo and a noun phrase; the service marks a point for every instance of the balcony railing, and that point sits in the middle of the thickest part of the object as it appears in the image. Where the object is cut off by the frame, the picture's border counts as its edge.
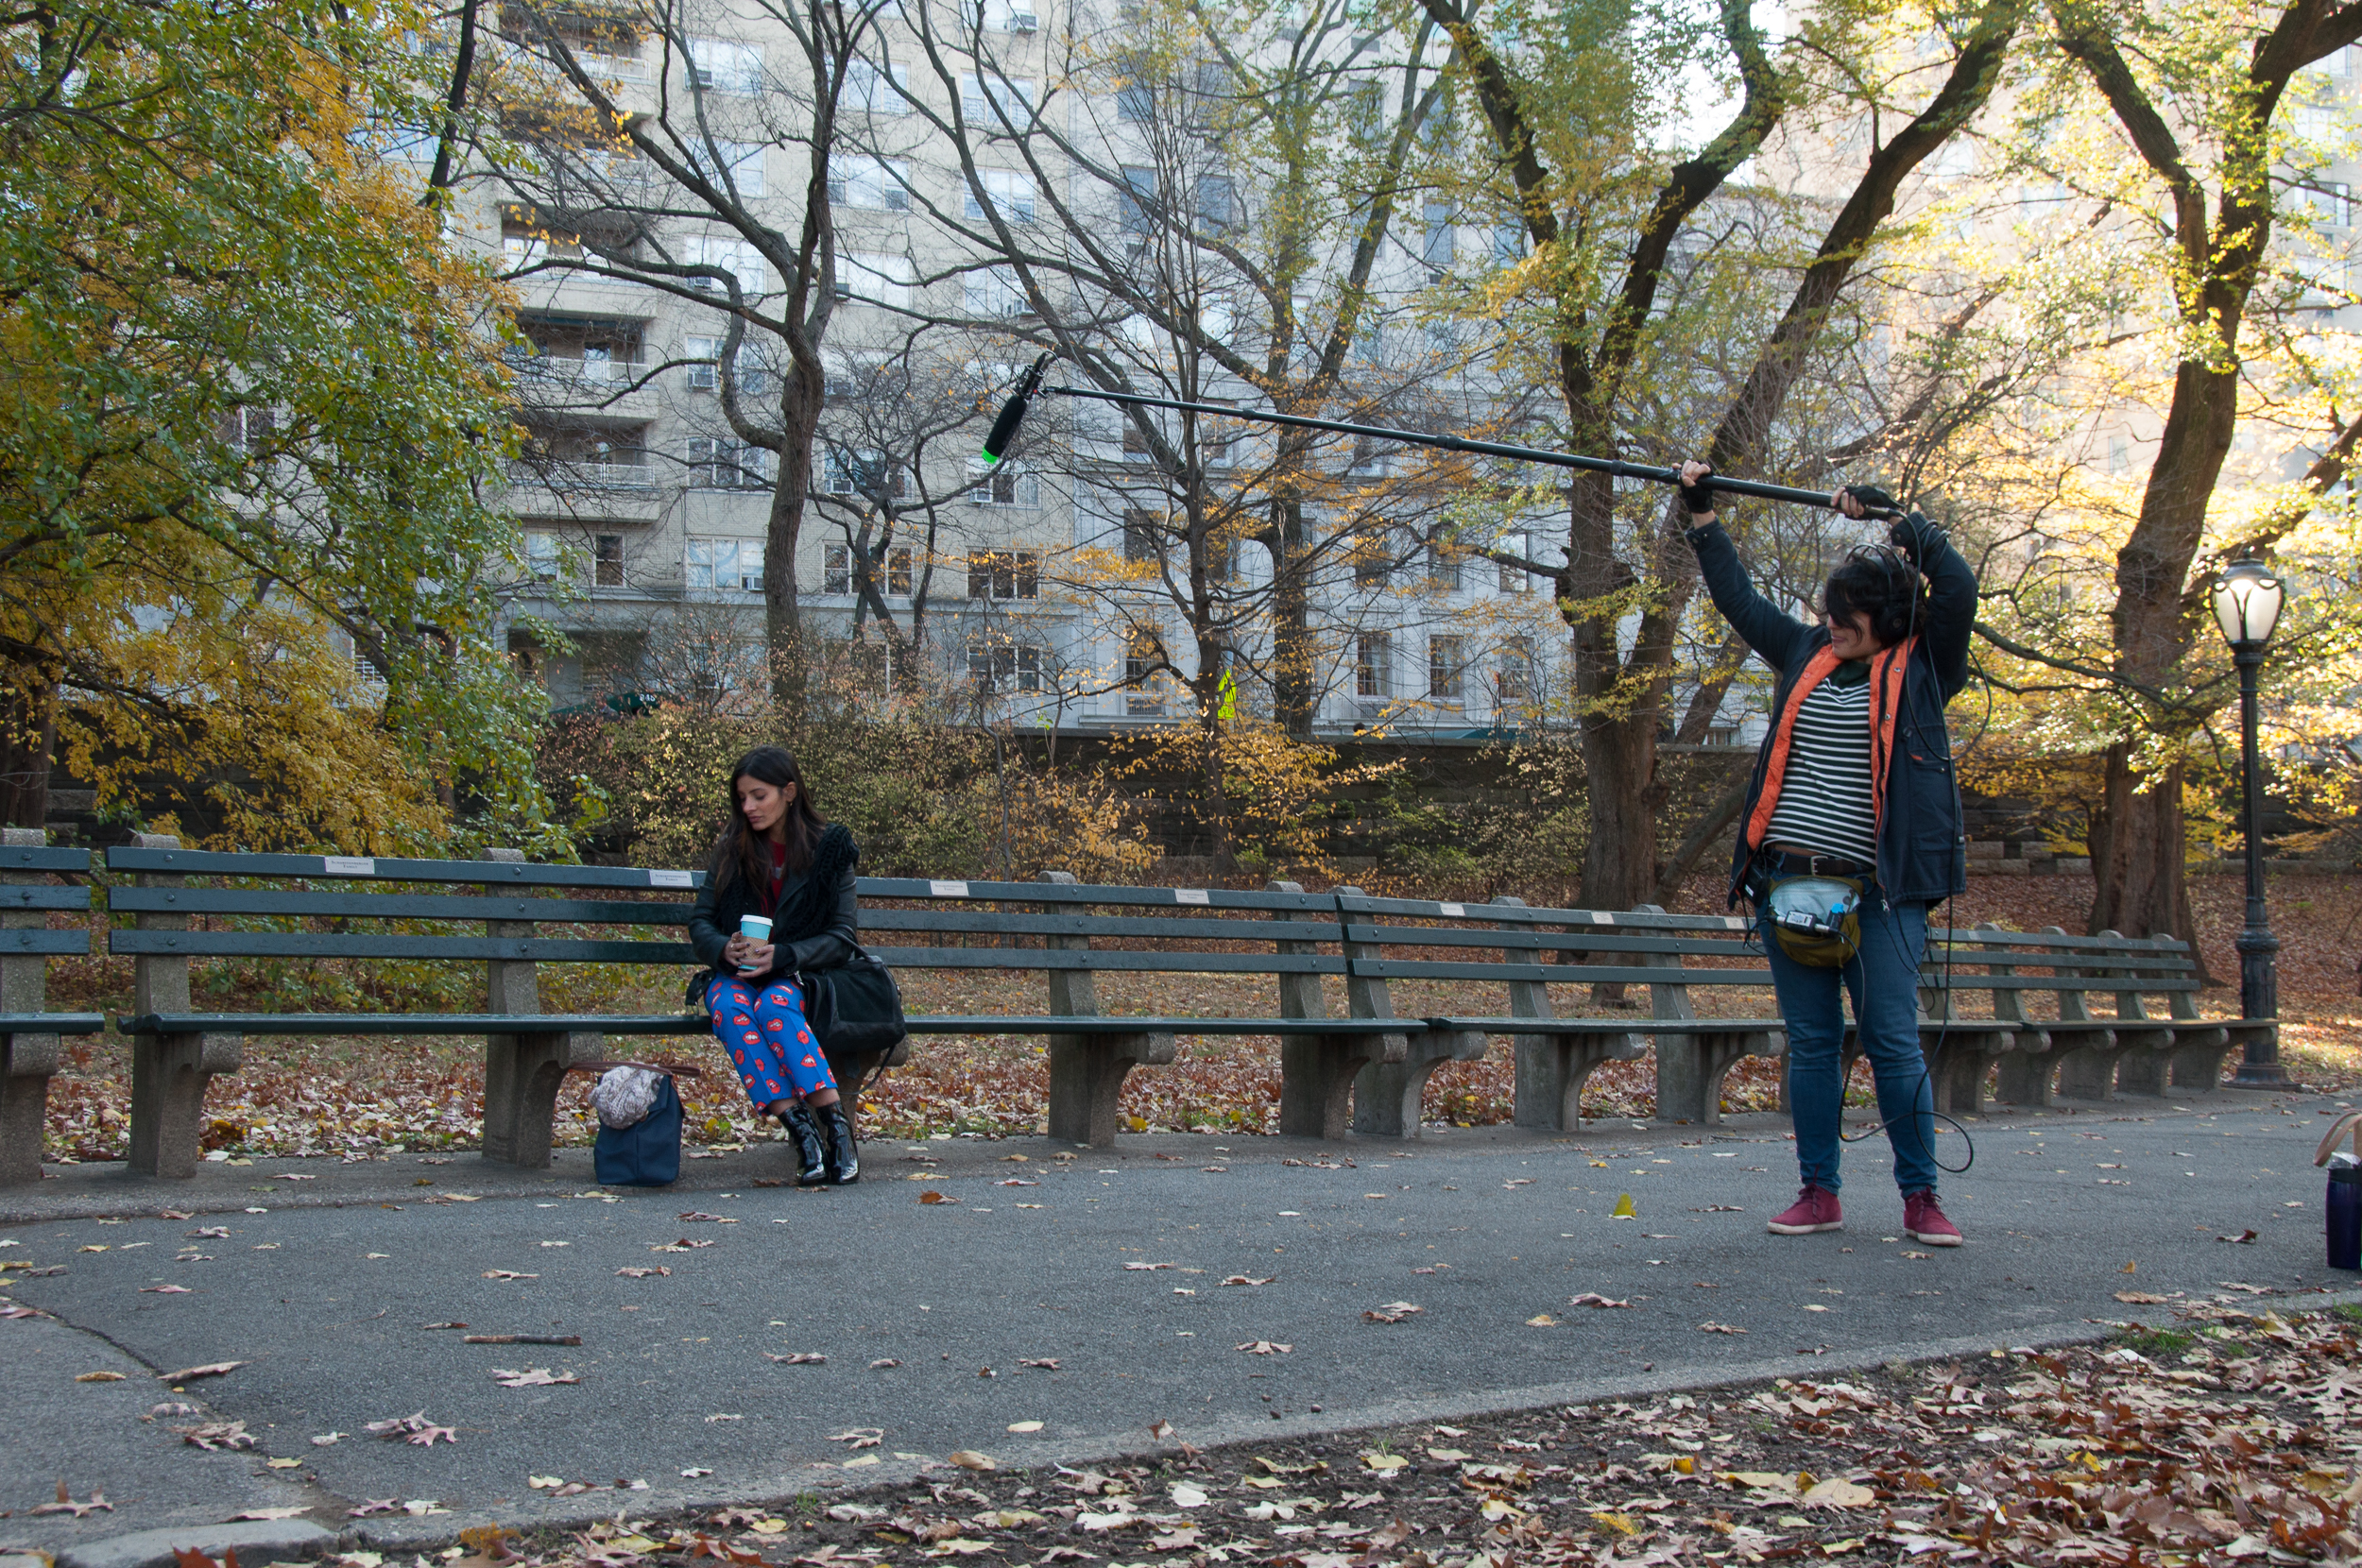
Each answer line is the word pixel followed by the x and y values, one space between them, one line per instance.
pixel 565 474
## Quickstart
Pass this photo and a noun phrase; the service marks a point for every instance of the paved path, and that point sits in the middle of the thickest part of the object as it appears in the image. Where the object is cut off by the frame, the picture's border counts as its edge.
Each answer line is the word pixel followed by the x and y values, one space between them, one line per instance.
pixel 323 1289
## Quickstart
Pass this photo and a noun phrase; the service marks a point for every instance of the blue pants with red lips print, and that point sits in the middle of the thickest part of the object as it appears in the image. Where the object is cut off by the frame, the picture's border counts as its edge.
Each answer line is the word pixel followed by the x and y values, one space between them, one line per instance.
pixel 768 1039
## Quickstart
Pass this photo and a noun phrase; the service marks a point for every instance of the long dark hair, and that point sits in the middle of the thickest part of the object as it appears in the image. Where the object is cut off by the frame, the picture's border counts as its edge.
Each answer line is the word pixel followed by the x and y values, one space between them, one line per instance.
pixel 743 853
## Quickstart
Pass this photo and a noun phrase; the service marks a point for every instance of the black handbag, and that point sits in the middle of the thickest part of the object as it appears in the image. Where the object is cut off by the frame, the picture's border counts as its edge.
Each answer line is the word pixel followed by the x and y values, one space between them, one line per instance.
pixel 854 1008
pixel 646 1154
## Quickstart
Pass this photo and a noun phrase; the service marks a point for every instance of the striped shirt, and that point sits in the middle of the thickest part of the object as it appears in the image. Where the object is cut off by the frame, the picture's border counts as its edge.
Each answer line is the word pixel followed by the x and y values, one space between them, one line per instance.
pixel 1824 804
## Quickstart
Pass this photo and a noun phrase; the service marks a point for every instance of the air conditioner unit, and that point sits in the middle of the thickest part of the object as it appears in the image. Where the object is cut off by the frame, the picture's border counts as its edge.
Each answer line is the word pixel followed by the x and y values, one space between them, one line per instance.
pixel 1022 21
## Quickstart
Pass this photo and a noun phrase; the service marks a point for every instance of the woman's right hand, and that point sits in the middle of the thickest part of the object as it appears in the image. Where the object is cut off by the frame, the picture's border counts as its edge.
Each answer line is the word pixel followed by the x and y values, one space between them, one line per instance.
pixel 1697 495
pixel 734 952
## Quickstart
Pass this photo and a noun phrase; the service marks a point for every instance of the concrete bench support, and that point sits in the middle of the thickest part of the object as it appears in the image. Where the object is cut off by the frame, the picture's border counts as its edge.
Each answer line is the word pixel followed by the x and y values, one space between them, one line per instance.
pixel 1374 1075
pixel 1388 1096
pixel 522 1074
pixel 169 1072
pixel 27 1061
pixel 1087 1072
pixel 1690 1067
pixel 1553 1069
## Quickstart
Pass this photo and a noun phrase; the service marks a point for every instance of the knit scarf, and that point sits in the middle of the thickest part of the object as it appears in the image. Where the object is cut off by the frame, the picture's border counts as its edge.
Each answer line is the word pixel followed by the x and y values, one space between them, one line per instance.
pixel 1886 701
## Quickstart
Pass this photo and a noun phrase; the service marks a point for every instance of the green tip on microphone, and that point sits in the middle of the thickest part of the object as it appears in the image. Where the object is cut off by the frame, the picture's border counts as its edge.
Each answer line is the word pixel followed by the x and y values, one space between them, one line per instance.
pixel 991 457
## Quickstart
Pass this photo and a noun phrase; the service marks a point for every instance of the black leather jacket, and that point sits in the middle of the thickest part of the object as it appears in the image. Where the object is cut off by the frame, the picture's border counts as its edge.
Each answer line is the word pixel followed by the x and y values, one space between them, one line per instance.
pixel 829 941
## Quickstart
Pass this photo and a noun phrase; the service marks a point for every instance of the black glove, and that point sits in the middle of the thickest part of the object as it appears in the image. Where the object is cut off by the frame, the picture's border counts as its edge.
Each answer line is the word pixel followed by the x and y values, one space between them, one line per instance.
pixel 1872 498
pixel 1914 535
pixel 1698 498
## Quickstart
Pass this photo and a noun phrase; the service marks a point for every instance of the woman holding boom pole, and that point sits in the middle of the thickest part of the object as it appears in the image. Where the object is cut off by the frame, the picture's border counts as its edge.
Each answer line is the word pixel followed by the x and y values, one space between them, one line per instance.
pixel 1851 826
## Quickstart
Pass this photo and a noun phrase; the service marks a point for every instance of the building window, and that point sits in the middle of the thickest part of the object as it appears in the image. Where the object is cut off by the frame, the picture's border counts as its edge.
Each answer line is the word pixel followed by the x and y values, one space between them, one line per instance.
pixel 1010 192
pixel 733 165
pixel 718 464
pixel 1722 734
pixel 861 472
pixel 1371 561
pixel 246 429
pixel 836 569
pixel 725 566
pixel 989 100
pixel 1509 243
pixel 1007 485
pixel 607 561
pixel 1136 448
pixel 1373 665
pixel 542 556
pixel 876 184
pixel 876 277
pixel 899 575
pixel 1003 574
pixel 997 667
pixel 1143 534
pixel 1436 250
pixel 1447 664
pixel 1514 677
pixel 1444 562
pixel 994 294
pixel 723 65
pixel 1138 198
pixel 1217 202
pixel 1222 559
pixel 1136 105
pixel 738 258
pixel 1144 663
pixel 872 92
pixel 1515 579
pixel 704 354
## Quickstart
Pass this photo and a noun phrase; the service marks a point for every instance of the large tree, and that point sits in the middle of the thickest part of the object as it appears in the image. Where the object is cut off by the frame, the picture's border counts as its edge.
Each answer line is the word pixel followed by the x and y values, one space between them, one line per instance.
pixel 2195 90
pixel 250 402
pixel 1578 114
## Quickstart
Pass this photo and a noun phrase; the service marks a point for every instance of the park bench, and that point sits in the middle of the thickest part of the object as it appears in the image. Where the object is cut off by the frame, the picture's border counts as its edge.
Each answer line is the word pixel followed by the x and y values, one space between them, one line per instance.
pixel 1052 927
pixel 2076 1052
pixel 1529 950
pixel 31 1035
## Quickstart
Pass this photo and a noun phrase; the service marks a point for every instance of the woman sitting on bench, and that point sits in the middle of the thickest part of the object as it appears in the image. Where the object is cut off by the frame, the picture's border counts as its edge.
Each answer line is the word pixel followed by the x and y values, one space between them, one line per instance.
pixel 778 863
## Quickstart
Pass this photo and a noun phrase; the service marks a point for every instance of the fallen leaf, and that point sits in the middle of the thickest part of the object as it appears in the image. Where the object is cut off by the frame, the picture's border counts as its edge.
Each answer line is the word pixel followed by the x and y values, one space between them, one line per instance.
pixel 99 1377
pixel 413 1429
pixel 1541 1319
pixel 2141 1297
pixel 1448 1456
pixel 507 1274
pixel 66 1503
pixel 1624 1209
pixel 1187 1496
pixel 1593 1298
pixel 164 1290
pixel 1623 1523
pixel 1035 1426
pixel 327 1440
pixel 539 1377
pixel 2242 1237
pixel 284 1464
pixel 659 1271
pixel 967 1458
pixel 932 1196
pixel 1264 1347
pixel 796 1358
pixel 1718 1328
pixel 211 1369
pixel 272 1513
pixel 216 1436
pixel 1245 1279
pixel 1147 1268
pixel 883 1361
pixel 1160 1429
pixel 1385 1463
pixel 860 1437
pixel 1046 1363
pixel 1837 1493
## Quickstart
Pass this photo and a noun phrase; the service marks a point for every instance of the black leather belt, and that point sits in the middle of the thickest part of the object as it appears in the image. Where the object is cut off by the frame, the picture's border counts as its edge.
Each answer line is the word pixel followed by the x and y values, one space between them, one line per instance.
pixel 1786 864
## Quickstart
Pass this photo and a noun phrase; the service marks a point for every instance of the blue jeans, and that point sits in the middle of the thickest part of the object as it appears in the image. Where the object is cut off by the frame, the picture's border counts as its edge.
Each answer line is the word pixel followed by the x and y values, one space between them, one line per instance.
pixel 1882 978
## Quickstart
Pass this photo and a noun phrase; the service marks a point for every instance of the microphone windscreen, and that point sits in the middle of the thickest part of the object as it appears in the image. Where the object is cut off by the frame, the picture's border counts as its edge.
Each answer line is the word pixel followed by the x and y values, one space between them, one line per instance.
pixel 1004 428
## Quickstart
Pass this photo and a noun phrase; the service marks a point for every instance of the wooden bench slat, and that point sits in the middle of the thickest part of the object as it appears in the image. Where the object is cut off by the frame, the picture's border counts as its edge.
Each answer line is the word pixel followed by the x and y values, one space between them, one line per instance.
pixel 1103 960
pixel 392 944
pixel 1557 942
pixel 52 1023
pixel 1118 1023
pixel 26 857
pixel 1607 1026
pixel 390 905
pixel 1087 893
pixel 74 943
pixel 1556 974
pixel 1178 928
pixel 194 862
pixel 412 1023
pixel 44 897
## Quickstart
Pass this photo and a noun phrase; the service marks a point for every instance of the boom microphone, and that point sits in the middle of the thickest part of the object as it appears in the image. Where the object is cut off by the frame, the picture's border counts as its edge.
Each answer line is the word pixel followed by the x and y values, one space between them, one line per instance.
pixel 1013 414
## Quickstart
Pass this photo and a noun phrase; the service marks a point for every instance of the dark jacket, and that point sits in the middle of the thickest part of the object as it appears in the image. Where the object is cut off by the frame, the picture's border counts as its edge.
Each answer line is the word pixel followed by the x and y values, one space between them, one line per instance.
pixel 1922 855
pixel 817 920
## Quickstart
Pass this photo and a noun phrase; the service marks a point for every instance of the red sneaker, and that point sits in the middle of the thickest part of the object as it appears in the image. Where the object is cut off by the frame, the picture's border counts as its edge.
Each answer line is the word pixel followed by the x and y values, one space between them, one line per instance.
pixel 1815 1209
pixel 1926 1222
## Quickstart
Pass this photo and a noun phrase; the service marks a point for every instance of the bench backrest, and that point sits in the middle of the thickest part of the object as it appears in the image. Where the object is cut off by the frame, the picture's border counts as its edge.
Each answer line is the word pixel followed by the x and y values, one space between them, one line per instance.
pixel 2076 970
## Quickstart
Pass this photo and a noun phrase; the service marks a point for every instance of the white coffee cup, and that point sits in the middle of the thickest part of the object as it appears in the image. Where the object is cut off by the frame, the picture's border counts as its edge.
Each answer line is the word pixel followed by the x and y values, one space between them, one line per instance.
pixel 754 927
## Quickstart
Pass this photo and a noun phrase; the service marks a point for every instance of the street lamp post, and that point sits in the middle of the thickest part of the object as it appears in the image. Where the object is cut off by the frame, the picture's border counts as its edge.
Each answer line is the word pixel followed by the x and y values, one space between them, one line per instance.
pixel 2246 606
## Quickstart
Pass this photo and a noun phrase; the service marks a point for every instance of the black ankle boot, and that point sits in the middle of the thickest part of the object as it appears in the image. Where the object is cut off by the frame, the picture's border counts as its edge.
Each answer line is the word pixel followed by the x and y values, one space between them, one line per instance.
pixel 810 1156
pixel 843 1158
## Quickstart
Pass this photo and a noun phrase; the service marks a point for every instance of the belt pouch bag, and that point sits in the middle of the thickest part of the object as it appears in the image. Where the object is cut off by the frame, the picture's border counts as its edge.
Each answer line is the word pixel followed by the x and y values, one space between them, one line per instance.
pixel 855 1007
pixel 1816 920
pixel 646 1154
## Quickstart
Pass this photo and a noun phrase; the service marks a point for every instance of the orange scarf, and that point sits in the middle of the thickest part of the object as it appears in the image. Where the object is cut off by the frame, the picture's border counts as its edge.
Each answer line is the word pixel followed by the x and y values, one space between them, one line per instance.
pixel 1885 699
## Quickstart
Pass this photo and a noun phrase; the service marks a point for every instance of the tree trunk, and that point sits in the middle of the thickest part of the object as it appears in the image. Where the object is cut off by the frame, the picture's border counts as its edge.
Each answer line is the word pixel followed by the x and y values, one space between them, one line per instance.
pixel 782 617
pixel 2143 887
pixel 28 744
pixel 1295 700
